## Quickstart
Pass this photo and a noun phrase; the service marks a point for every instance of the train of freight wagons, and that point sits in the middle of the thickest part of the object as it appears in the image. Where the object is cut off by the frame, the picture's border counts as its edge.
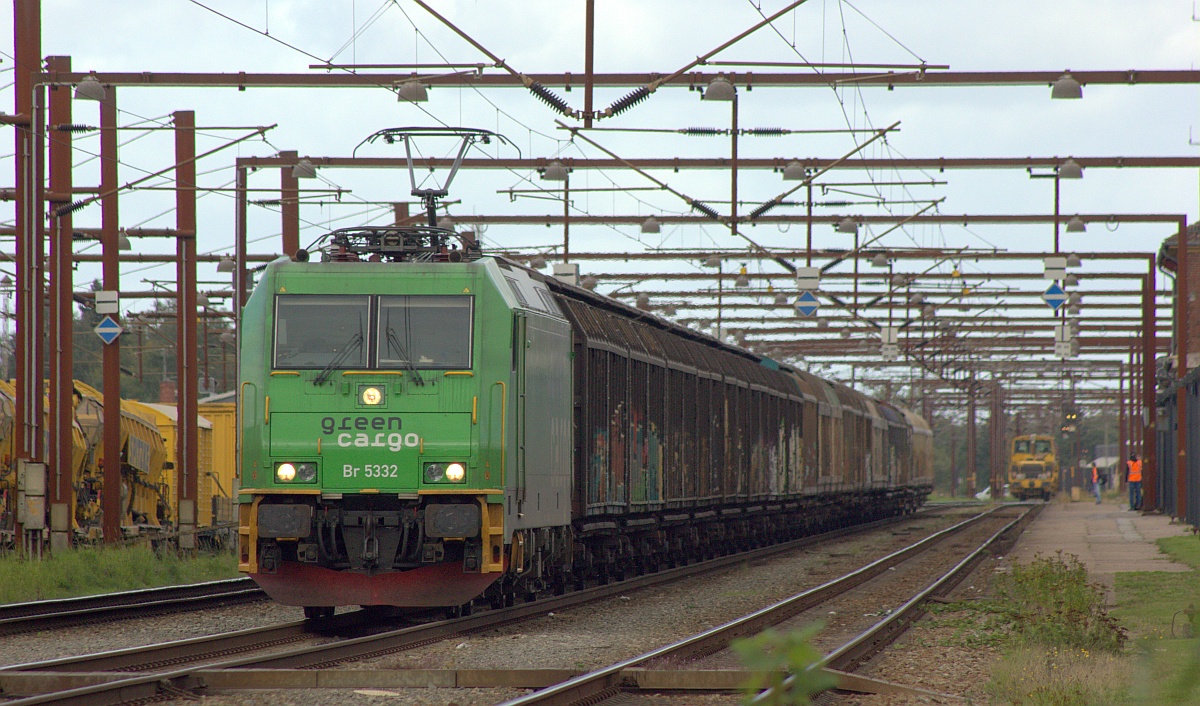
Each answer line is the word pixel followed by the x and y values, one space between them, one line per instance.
pixel 424 425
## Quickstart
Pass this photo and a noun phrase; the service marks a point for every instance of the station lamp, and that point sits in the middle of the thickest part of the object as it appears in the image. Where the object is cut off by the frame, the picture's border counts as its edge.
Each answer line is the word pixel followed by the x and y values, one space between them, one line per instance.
pixel 90 89
pixel 743 280
pixel 846 225
pixel 555 171
pixel 304 169
pixel 1066 88
pixel 651 225
pixel 1070 169
pixel 794 171
pixel 1076 225
pixel 719 89
pixel 226 264
pixel 412 91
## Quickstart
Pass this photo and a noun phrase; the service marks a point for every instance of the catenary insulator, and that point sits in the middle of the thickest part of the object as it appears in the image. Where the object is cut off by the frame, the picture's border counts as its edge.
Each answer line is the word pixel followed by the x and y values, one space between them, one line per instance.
pixel 626 102
pixel 758 212
pixel 550 99
pixel 703 131
pixel 706 210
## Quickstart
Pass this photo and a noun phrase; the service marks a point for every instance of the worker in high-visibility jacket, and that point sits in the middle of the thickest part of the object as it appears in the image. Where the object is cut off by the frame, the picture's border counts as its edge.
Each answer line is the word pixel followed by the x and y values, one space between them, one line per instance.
pixel 1096 481
pixel 1133 475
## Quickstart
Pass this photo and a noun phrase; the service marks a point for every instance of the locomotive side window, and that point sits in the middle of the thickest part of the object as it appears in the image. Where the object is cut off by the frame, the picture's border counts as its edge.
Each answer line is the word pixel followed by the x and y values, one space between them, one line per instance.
pixel 548 303
pixel 516 289
pixel 424 332
pixel 314 331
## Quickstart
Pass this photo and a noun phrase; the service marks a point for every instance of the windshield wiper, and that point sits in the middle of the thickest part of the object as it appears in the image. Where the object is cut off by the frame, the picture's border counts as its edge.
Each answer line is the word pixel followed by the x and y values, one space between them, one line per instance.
pixel 394 342
pixel 353 344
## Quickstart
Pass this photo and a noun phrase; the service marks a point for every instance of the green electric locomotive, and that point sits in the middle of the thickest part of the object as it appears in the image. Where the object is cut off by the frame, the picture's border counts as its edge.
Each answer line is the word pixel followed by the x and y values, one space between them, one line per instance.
pixel 379 408
pixel 424 426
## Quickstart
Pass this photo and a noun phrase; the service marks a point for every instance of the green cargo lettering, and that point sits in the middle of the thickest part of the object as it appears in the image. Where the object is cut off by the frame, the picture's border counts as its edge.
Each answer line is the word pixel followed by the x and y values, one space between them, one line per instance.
pixel 394 442
pixel 329 424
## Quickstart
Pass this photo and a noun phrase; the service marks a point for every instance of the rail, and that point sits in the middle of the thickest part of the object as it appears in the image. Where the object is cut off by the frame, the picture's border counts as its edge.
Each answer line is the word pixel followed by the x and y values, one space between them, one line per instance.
pixel 74 680
pixel 60 612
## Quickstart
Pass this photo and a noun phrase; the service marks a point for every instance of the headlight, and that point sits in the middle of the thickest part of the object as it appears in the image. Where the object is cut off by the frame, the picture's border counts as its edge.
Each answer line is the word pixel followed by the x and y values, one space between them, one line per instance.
pixel 435 472
pixel 304 472
pixel 370 395
pixel 439 472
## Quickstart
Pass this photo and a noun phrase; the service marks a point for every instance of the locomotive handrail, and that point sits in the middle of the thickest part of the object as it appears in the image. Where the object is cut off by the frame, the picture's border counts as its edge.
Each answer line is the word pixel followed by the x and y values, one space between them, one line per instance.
pixel 241 413
pixel 503 431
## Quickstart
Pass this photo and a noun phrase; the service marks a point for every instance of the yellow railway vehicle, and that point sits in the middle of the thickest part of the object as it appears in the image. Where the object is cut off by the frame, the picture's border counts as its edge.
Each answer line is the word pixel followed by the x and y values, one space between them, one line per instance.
pixel 8 475
pixel 143 500
pixel 218 488
pixel 1033 467
pixel 166 416
pixel 8 468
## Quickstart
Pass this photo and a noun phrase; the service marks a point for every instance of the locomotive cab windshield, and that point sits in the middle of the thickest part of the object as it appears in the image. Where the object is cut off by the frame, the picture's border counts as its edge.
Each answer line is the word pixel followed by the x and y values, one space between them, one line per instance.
pixel 411 332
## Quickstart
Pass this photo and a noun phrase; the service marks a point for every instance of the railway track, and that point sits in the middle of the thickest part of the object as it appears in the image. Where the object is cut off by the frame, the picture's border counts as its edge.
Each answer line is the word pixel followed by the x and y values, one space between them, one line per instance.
pixel 63 612
pixel 104 678
pixel 631 675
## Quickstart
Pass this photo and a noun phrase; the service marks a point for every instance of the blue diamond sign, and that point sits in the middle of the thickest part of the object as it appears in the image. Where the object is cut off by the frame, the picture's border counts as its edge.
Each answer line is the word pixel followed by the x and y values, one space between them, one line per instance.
pixel 807 304
pixel 1054 296
pixel 108 330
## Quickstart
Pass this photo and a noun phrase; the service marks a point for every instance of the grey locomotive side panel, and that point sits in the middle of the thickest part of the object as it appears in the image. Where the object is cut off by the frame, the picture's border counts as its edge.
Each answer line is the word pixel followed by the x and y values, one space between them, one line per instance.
pixel 539 492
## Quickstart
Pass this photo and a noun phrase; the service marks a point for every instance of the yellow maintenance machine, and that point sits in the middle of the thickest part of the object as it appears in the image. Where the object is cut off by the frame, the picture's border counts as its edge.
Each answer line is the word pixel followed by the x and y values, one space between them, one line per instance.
pixel 144 506
pixel 147 462
pixel 1033 467
pixel 8 467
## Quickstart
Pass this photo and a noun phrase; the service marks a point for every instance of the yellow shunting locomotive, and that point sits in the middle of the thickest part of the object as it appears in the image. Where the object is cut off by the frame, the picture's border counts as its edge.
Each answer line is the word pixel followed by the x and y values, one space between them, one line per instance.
pixel 1033 467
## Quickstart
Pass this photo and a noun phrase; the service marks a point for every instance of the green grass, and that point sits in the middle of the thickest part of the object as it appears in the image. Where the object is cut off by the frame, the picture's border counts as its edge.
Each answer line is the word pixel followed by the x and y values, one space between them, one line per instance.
pixel 1058 644
pixel 1164 666
pixel 1037 675
pixel 88 570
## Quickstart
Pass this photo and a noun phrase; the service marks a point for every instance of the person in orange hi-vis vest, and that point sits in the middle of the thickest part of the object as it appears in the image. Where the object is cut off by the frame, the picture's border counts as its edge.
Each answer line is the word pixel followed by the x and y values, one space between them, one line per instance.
pixel 1096 481
pixel 1133 475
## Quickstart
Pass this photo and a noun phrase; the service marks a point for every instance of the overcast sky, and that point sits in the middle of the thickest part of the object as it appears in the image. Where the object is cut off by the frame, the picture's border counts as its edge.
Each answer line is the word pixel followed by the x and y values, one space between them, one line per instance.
pixel 659 36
